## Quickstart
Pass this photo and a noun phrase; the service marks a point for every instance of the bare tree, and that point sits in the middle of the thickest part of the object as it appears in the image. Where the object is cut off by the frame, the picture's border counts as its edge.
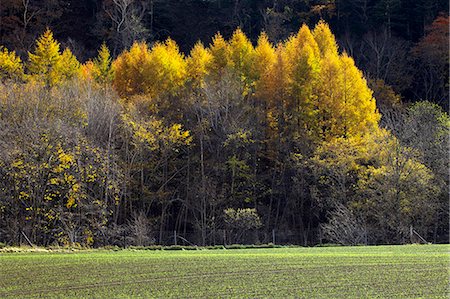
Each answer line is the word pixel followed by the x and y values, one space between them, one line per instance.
pixel 140 229
pixel 386 57
pixel 127 20
pixel 344 227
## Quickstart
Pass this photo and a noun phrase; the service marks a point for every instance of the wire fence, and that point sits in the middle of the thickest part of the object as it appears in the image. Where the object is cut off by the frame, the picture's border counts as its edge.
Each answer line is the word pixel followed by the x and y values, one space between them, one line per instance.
pixel 218 237
pixel 126 236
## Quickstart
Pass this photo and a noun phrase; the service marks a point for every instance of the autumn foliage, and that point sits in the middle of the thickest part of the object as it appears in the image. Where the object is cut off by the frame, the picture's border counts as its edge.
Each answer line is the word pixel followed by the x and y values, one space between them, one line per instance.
pixel 158 140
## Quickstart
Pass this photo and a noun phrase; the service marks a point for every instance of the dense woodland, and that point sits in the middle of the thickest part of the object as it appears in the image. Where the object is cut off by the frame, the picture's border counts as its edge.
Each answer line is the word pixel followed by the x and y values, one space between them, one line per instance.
pixel 273 125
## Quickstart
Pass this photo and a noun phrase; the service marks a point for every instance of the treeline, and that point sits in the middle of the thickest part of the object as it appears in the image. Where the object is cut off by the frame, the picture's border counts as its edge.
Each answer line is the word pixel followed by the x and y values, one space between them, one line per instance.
pixel 233 136
pixel 401 42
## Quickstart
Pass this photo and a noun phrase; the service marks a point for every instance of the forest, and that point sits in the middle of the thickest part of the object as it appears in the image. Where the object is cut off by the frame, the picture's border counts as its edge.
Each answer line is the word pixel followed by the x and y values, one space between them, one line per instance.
pixel 230 121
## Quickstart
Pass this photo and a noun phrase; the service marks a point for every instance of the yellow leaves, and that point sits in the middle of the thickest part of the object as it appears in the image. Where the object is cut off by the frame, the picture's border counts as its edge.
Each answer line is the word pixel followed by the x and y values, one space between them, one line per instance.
pixel 17 164
pixel 54 181
pixel 175 135
pixel 303 83
pixel 153 133
pixel 89 236
pixel 68 67
pixel 265 56
pixel 142 135
pixel 65 159
pixel 24 195
pixel 242 56
pixel 73 194
pixel 70 202
pixel 49 196
pixel 102 66
pixel 47 65
pixel 168 68
pixel 143 132
pixel 220 54
pixel 239 139
pixel 198 64
pixel 303 38
pixel 87 71
pixel 346 105
pixel 154 72
pixel 46 54
pixel 325 39
pixel 90 178
pixel 129 69
pixel 10 65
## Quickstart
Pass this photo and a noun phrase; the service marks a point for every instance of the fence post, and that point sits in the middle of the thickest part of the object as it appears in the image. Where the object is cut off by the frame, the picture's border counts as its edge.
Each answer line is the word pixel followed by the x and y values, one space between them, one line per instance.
pixel 411 234
pixel 273 236
pixel 320 236
pixel 175 237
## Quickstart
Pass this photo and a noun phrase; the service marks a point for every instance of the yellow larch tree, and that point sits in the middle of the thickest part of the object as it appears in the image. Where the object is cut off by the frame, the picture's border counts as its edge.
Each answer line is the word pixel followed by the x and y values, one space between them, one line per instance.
pixel 68 66
pixel 48 65
pixel 43 63
pixel 167 68
pixel 264 57
pixel 152 72
pixel 198 64
pixel 272 93
pixel 220 52
pixel 242 55
pixel 130 70
pixel 359 113
pixel 329 92
pixel 325 39
pixel 10 65
pixel 102 66
pixel 346 107
pixel 302 55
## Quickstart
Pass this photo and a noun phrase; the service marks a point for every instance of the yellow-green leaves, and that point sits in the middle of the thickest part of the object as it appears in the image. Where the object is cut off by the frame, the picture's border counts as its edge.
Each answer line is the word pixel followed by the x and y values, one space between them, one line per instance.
pixel 221 55
pixel 102 71
pixel 325 39
pixel 69 66
pixel 10 65
pixel 47 65
pixel 167 68
pixel 242 56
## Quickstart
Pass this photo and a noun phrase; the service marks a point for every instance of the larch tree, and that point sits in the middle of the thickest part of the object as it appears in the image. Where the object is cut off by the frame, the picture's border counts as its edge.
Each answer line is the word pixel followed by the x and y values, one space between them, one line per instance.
pixel 198 64
pixel 242 56
pixel 303 66
pixel 11 66
pixel 264 58
pixel 102 66
pixel 48 65
pixel 43 63
pixel 161 70
pixel 220 52
pixel 130 70
pixel 345 105
pixel 68 66
pixel 359 114
pixel 325 39
pixel 167 69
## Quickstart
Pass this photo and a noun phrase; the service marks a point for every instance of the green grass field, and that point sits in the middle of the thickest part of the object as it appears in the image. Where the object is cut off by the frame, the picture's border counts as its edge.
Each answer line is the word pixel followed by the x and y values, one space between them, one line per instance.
pixel 414 271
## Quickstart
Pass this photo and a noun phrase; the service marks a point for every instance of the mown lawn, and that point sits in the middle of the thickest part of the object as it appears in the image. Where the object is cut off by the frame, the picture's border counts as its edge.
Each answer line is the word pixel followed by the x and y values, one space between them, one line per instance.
pixel 413 271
